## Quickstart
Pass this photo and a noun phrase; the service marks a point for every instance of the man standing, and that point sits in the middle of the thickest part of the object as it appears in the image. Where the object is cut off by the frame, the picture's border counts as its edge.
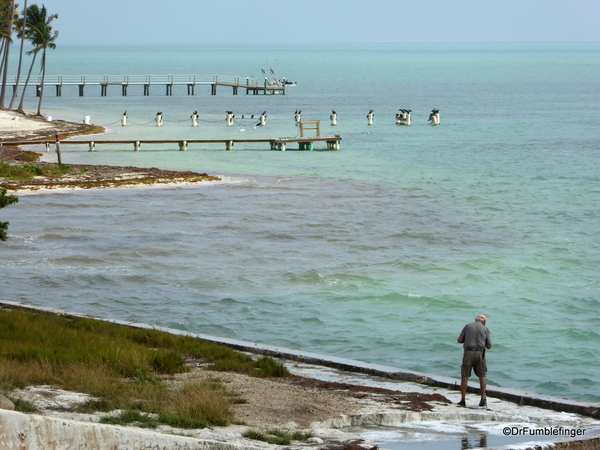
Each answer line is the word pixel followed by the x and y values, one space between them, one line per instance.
pixel 476 338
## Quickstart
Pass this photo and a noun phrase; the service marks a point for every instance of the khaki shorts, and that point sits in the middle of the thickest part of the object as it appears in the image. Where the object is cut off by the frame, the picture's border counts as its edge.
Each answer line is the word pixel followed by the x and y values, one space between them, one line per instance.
pixel 475 361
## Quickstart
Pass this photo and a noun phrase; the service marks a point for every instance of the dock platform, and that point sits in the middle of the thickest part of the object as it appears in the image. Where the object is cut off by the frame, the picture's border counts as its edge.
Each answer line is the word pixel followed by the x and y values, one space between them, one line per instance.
pixel 251 85
pixel 281 144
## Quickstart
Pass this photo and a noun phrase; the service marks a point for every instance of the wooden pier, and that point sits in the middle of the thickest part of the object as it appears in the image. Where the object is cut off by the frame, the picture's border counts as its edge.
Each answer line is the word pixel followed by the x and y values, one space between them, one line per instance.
pixel 251 85
pixel 281 144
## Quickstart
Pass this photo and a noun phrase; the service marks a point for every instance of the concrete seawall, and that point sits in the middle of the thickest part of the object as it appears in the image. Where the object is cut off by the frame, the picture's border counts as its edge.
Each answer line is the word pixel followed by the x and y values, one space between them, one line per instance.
pixel 34 432
pixel 520 397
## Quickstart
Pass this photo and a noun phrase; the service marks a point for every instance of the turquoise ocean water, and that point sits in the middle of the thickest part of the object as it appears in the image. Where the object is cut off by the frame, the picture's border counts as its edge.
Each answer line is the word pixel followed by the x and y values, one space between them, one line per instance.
pixel 380 252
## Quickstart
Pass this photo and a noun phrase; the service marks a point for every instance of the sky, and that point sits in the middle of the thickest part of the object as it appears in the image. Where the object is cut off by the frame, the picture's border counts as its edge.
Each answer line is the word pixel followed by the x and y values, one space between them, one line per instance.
pixel 323 21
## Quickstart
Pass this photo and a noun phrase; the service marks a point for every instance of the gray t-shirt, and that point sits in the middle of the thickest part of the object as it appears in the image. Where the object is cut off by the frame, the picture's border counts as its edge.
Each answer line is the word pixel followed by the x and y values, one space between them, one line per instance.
pixel 476 335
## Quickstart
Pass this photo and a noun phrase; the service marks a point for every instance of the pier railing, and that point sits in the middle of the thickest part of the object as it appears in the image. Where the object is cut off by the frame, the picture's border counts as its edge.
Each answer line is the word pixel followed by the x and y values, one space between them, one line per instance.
pixel 251 85
pixel 65 80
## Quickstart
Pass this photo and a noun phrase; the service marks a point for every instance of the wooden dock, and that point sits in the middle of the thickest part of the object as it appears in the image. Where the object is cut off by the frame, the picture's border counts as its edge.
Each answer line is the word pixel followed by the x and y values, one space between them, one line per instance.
pixel 281 144
pixel 251 85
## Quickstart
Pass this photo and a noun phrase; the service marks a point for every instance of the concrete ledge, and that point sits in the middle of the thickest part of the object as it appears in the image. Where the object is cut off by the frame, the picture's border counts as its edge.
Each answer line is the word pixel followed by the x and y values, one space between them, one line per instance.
pixel 521 397
pixel 34 432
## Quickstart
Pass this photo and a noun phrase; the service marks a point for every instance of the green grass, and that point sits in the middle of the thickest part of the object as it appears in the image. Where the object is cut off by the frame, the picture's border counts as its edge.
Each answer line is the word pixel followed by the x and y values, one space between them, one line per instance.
pixel 277 437
pixel 122 368
pixel 22 405
pixel 28 171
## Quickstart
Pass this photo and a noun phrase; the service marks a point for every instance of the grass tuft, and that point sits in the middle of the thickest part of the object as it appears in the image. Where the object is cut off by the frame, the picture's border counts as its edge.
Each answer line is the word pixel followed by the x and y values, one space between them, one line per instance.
pixel 23 405
pixel 277 437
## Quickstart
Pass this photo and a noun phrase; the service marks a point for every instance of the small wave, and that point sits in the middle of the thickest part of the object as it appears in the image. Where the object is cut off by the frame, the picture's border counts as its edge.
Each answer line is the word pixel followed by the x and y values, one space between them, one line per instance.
pixel 79 260
pixel 584 382
pixel 140 280
pixel 60 237
pixel 229 301
pixel 46 282
pixel 280 237
pixel 536 270
pixel 312 320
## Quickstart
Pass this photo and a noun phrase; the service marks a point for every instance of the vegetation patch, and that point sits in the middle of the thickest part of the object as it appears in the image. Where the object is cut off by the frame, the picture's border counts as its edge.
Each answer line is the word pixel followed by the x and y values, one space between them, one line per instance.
pixel 122 368
pixel 29 171
pixel 5 200
pixel 22 405
pixel 277 437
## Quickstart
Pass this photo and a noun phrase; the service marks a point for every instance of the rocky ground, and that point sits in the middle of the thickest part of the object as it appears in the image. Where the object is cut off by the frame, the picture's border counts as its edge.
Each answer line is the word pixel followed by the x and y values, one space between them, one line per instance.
pixel 289 404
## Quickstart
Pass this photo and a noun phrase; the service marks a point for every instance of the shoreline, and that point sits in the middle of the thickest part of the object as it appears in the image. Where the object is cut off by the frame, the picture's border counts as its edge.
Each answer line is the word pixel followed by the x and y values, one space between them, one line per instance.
pixel 337 406
pixel 16 126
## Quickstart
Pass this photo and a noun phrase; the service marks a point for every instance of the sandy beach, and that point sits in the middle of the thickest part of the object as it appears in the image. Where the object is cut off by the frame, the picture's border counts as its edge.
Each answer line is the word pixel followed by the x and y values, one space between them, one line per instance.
pixel 15 127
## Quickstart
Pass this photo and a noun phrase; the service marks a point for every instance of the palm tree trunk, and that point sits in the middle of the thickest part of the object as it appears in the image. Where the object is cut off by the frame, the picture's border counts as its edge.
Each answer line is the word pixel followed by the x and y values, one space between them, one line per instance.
pixel 14 96
pixel 39 110
pixel 2 53
pixel 9 26
pixel 20 108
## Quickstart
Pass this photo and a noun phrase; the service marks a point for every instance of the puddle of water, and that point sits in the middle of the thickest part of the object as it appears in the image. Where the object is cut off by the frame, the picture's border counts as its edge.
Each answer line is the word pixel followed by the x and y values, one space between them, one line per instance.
pixel 446 436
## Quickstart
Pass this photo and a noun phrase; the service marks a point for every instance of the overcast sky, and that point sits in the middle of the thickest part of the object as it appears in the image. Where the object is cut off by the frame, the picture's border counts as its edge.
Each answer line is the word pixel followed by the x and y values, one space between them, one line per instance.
pixel 324 21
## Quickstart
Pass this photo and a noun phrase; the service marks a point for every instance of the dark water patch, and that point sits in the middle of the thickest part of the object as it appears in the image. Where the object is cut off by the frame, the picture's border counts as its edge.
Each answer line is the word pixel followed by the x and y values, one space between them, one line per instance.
pixel 552 386
pixel 426 267
pixel 55 237
pixel 88 280
pixel 46 281
pixel 229 302
pixel 475 278
pixel 312 320
pixel 584 382
pixel 279 236
pixel 80 261
pixel 427 238
pixel 139 280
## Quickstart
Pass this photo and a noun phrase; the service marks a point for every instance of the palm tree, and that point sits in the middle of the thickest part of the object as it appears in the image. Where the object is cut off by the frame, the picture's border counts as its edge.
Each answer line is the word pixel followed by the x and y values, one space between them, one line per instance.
pixel 8 13
pixel 33 52
pixel 39 32
pixel 21 24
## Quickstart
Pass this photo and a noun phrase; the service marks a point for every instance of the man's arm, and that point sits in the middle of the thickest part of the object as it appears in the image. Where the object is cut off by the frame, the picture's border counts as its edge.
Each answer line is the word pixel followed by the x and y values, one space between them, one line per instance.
pixel 461 337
